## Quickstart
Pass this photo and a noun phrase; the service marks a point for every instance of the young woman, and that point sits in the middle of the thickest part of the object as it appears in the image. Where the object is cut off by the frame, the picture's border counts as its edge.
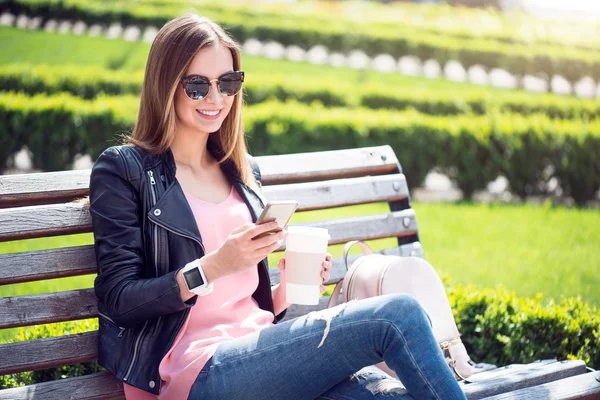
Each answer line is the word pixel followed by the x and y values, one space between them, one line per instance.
pixel 183 195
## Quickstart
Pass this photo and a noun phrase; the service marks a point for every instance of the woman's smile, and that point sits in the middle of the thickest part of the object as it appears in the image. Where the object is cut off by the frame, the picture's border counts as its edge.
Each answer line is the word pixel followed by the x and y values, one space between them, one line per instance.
pixel 209 114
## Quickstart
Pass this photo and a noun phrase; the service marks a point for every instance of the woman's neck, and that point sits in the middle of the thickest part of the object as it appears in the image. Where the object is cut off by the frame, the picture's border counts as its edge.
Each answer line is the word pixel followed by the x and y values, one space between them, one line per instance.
pixel 190 149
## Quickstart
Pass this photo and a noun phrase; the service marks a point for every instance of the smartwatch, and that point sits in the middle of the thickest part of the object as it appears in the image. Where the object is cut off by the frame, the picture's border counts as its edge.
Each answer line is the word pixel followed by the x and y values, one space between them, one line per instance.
pixel 195 279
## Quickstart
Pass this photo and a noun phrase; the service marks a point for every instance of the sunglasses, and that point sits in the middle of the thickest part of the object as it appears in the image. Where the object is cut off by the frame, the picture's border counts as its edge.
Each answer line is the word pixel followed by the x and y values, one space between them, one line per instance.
pixel 197 87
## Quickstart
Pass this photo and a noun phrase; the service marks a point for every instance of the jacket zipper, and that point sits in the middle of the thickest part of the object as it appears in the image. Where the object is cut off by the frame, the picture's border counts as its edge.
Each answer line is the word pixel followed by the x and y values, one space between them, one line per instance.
pixel 121 329
pixel 138 339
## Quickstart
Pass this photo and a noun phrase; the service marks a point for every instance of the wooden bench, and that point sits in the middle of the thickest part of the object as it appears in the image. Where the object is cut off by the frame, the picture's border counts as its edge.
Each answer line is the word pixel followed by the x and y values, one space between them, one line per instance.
pixel 40 205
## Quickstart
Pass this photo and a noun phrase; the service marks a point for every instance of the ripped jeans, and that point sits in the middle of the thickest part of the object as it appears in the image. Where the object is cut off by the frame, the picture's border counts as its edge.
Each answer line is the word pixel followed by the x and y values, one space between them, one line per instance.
pixel 329 355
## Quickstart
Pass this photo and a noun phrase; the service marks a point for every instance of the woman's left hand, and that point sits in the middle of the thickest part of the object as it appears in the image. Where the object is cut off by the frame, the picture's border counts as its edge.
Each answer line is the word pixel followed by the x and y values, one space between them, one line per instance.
pixel 325 274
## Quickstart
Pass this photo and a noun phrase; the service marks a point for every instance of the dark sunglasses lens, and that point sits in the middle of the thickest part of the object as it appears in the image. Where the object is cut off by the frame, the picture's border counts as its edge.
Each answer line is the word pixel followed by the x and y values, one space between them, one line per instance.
pixel 230 84
pixel 196 89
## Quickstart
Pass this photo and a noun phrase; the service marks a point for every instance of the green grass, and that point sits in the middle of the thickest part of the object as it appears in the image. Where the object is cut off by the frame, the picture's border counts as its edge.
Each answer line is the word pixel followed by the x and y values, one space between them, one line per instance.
pixel 529 249
pixel 40 47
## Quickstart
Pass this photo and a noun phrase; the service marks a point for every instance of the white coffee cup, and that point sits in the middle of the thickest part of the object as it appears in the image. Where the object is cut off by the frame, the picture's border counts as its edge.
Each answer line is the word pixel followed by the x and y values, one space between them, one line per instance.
pixel 306 248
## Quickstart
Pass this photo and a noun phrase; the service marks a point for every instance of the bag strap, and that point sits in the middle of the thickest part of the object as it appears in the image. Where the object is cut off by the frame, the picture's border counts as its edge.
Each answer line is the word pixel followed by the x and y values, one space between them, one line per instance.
pixel 336 293
pixel 338 286
pixel 363 246
pixel 445 346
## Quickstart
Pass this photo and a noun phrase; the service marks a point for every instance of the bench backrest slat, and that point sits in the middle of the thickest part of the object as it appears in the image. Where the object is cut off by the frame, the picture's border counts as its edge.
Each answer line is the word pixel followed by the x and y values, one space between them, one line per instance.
pixel 76 219
pixel 47 264
pixel 42 188
pixel 341 192
pixel 71 305
pixel 48 307
pixel 68 218
pixel 49 352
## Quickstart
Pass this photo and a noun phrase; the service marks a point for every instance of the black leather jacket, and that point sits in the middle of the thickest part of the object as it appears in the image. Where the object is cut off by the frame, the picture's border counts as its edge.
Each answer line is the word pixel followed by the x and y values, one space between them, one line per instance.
pixel 144 233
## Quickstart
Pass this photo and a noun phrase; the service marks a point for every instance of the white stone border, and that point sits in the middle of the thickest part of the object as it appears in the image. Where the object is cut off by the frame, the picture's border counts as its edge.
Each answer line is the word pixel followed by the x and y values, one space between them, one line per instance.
pixel 356 59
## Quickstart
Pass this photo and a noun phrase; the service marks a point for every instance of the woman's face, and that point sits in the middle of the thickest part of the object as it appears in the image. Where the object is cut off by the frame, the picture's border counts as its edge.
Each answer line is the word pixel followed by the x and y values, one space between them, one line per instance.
pixel 199 115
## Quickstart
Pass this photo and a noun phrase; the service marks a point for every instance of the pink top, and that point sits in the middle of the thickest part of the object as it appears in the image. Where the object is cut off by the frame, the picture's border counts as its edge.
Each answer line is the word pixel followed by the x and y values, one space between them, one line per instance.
pixel 229 311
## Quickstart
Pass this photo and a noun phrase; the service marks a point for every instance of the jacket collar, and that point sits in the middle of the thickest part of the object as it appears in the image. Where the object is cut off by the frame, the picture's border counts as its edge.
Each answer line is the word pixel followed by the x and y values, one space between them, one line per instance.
pixel 172 210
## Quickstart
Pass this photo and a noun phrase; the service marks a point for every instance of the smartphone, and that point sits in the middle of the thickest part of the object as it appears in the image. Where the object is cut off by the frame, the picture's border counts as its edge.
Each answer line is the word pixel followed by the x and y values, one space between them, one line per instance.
pixel 280 211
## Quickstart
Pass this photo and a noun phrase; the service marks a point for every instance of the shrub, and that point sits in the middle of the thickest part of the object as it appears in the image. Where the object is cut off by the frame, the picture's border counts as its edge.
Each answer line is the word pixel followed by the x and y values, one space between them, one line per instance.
pixel 500 328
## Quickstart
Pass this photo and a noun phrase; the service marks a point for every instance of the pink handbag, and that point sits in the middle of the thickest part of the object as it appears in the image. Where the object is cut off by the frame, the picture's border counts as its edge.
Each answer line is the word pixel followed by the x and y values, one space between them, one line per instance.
pixel 375 274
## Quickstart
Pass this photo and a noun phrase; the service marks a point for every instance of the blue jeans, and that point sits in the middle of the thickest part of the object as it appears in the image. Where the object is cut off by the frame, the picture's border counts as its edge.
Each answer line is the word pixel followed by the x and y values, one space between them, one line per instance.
pixel 329 354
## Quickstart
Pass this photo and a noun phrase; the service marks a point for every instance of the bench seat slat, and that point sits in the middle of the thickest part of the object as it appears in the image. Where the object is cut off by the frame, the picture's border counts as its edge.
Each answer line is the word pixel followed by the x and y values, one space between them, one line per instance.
pixel 48 352
pixel 80 304
pixel 47 264
pixel 579 387
pixel 46 308
pixel 518 376
pixel 56 187
pixel 100 386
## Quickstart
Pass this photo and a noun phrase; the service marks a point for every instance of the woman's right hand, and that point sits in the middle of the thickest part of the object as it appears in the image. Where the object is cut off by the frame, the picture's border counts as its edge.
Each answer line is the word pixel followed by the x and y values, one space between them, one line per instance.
pixel 239 252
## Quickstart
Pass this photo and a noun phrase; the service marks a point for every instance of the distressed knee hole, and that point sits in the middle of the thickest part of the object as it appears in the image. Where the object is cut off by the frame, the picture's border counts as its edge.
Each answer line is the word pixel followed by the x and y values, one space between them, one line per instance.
pixel 378 382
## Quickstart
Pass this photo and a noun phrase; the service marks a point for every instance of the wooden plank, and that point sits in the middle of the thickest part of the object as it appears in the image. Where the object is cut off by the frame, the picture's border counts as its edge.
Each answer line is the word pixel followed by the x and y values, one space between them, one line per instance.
pixel 338 269
pixel 579 387
pixel 100 386
pixel 48 352
pixel 39 221
pixel 63 219
pixel 43 188
pixel 80 260
pixel 58 187
pixel 46 308
pixel 47 264
pixel 518 376
pixel 79 304
pixel 341 192
pixel 376 226
pixel 325 165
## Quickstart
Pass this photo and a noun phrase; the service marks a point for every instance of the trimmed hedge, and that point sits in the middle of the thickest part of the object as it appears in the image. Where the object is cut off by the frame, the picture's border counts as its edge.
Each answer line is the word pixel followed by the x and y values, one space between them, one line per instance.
pixel 341 36
pixel 473 150
pixel 90 82
pixel 441 19
pixel 497 327
pixel 500 328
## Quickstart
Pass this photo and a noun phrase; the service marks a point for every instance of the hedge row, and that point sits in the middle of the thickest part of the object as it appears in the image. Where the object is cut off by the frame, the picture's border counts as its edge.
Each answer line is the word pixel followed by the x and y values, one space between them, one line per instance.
pixel 89 82
pixel 497 327
pixel 340 36
pixel 473 150
pixel 441 19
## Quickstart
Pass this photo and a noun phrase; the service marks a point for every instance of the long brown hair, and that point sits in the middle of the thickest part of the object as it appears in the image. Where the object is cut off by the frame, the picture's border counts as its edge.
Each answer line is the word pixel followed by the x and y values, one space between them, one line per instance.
pixel 171 53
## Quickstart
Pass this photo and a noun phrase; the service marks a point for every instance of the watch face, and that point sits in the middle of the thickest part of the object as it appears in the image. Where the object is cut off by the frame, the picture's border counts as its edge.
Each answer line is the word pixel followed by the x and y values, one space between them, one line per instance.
pixel 193 278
